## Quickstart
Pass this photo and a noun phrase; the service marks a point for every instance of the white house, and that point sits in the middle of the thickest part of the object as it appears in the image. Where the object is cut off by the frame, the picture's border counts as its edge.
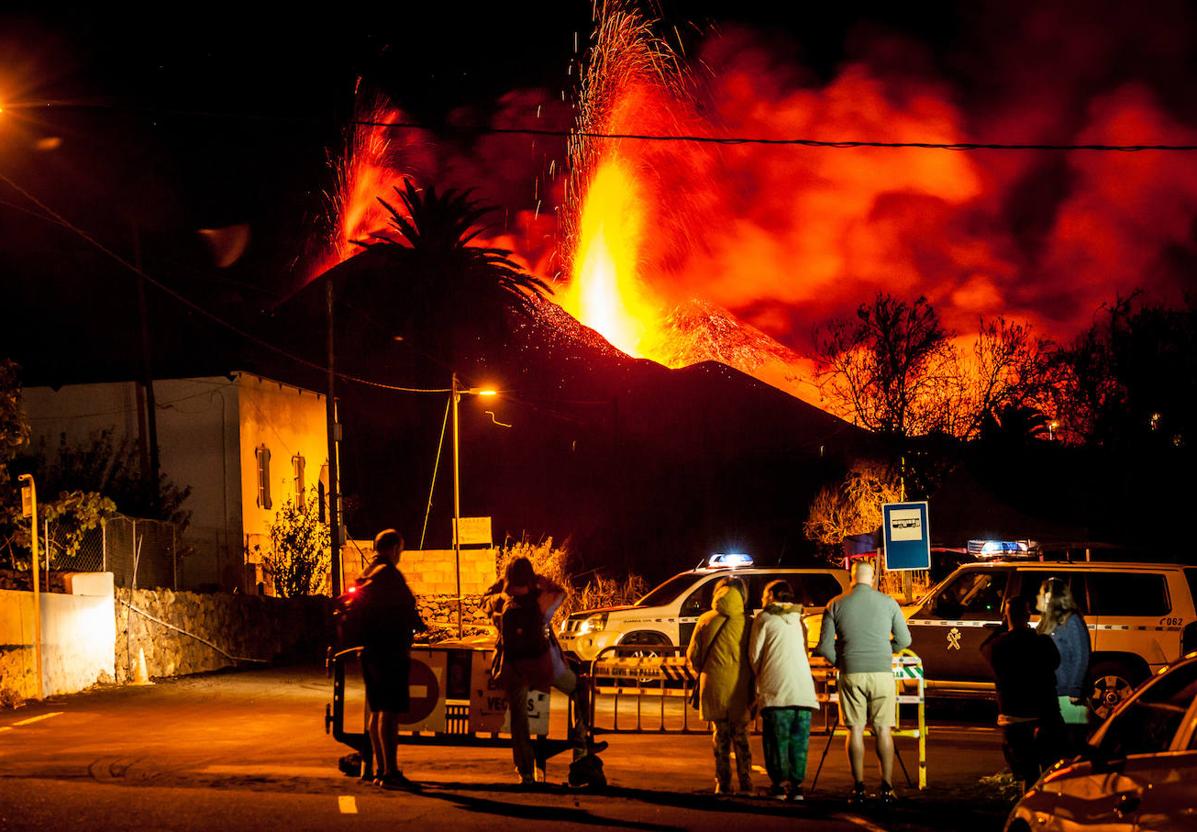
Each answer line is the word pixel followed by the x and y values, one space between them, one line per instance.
pixel 245 444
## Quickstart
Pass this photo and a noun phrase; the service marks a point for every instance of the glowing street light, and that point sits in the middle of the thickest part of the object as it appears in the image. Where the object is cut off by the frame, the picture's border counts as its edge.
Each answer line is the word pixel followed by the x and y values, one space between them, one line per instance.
pixel 455 394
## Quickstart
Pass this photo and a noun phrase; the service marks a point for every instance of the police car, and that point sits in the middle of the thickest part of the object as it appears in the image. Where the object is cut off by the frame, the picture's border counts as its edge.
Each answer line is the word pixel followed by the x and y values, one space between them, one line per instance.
pixel 666 616
pixel 1141 616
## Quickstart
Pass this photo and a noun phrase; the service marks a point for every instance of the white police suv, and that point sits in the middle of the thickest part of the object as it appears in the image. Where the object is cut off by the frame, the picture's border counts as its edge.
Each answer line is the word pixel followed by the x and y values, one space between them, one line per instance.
pixel 666 615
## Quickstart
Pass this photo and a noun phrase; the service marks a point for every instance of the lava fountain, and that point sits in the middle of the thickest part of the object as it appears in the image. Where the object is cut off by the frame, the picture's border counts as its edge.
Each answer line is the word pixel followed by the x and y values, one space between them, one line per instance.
pixel 605 291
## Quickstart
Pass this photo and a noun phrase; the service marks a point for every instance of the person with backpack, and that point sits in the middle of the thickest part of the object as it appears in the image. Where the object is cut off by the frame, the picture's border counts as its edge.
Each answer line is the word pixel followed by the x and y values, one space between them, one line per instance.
pixel 530 659
pixel 718 655
pixel 386 619
pixel 785 689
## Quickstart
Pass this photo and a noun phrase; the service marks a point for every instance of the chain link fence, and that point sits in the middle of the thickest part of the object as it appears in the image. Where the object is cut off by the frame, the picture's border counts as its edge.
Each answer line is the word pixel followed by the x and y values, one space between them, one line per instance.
pixel 139 553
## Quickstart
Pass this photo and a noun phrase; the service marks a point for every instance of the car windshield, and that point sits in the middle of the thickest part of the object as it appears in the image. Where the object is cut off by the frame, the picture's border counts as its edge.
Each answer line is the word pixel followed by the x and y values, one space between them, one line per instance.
pixel 670 590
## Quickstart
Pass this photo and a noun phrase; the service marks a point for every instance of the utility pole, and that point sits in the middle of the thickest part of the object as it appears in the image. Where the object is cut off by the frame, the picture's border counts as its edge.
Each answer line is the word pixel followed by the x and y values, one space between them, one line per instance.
pixel 29 509
pixel 453 397
pixel 151 471
pixel 334 456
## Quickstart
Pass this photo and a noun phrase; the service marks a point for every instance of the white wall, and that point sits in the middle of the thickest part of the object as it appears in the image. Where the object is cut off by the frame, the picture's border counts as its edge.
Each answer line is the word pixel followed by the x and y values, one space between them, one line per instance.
pixel 78 638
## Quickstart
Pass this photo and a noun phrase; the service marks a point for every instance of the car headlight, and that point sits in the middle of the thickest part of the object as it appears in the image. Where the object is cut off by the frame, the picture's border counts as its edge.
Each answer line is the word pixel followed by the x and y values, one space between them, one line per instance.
pixel 593 624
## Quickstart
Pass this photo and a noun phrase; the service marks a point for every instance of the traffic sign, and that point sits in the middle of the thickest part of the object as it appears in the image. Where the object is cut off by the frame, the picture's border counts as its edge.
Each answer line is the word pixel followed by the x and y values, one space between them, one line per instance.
pixel 907 536
pixel 425 685
pixel 475 531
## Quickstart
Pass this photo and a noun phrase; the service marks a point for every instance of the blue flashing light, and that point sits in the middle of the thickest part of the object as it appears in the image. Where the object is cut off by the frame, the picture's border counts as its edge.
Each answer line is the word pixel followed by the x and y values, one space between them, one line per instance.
pixel 729 560
pixel 996 548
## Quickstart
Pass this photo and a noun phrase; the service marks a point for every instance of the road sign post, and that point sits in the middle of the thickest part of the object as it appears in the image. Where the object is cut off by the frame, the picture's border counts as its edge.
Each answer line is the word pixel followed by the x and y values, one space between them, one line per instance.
pixel 907 536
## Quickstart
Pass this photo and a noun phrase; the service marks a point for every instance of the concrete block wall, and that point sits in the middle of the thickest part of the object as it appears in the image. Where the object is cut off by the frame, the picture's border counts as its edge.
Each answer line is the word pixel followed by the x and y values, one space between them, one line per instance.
pixel 431 572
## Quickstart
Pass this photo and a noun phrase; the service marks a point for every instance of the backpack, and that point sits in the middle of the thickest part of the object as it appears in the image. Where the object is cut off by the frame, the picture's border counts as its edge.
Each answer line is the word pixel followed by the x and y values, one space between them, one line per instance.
pixel 523 628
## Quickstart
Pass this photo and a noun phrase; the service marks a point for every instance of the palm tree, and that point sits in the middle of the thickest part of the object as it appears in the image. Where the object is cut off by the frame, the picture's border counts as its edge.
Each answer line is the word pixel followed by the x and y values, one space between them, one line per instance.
pixel 441 286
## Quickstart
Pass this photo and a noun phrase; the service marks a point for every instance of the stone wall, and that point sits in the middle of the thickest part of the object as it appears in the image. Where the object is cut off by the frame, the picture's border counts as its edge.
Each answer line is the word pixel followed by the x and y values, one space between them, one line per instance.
pixel 243 626
pixel 440 614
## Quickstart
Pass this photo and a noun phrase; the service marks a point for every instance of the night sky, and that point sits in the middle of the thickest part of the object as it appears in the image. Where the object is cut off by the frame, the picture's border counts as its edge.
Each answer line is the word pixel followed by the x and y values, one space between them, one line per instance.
pixel 165 123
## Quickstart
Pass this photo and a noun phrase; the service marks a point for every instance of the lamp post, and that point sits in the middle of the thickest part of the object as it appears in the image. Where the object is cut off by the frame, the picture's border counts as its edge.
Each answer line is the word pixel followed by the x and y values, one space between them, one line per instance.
pixel 455 394
pixel 29 509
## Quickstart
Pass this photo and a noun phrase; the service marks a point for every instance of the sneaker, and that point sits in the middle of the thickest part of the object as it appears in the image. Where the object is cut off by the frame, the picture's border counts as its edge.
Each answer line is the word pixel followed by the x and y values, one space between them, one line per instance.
pixel 723 789
pixel 778 791
pixel 395 781
pixel 745 788
pixel 796 794
pixel 886 795
pixel 858 796
pixel 597 747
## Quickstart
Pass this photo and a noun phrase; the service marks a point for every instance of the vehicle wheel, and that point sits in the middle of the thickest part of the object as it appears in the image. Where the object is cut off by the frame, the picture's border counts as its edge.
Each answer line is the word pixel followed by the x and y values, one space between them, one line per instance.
pixel 1018 825
pixel 1111 682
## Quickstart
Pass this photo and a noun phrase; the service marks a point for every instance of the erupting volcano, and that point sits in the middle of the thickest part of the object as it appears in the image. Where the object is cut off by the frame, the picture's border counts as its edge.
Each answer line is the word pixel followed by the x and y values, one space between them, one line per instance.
pixel 682 252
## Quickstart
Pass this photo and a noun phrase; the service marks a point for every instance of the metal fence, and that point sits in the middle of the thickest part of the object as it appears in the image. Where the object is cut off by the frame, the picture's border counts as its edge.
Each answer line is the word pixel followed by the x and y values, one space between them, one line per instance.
pixel 138 552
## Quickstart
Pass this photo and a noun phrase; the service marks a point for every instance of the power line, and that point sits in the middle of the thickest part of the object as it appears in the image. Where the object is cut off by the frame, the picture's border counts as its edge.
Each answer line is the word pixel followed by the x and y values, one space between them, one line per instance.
pixel 814 143
pixel 826 144
pixel 187 302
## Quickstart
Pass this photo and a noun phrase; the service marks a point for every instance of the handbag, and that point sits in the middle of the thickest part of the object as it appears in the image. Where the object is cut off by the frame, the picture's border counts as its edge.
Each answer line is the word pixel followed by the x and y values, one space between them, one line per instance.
pixel 695 699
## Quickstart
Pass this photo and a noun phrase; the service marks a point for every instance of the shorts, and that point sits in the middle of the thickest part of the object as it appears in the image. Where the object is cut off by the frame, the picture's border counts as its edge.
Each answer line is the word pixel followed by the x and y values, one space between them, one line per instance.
pixel 386 677
pixel 868 699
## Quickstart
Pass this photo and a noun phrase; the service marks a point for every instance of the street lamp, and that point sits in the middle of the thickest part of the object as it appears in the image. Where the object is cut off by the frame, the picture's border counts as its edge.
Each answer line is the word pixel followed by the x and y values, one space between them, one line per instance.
pixel 455 394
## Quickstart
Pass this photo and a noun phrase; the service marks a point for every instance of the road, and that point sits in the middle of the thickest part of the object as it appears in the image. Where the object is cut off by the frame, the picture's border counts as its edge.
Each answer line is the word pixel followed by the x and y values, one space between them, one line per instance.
pixel 247 750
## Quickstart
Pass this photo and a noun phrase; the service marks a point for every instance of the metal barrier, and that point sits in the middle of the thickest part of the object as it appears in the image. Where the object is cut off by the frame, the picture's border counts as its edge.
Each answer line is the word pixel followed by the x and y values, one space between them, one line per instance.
pixel 911 690
pixel 653 671
pixel 454 702
pixel 659 672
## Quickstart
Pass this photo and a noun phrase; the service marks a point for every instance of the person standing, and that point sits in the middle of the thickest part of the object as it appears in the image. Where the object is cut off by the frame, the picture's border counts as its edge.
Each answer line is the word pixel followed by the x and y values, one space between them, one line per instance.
pixel 1060 618
pixel 862 630
pixel 1024 665
pixel 718 654
pixel 530 659
pixel 785 689
pixel 389 621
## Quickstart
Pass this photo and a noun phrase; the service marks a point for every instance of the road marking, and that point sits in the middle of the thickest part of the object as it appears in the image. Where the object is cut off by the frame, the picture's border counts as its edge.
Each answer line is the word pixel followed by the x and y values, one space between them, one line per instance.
pixel 759 769
pixel 4 728
pixel 861 822
pixel 34 719
pixel 347 804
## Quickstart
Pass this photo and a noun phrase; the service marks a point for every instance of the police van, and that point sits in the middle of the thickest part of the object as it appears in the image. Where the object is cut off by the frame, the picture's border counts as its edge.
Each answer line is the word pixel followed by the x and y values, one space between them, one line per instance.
pixel 666 615
pixel 1141 616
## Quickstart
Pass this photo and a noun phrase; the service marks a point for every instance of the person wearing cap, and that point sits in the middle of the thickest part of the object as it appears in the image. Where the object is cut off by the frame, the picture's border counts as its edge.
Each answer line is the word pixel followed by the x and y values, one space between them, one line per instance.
pixel 862 630
pixel 785 689
pixel 390 620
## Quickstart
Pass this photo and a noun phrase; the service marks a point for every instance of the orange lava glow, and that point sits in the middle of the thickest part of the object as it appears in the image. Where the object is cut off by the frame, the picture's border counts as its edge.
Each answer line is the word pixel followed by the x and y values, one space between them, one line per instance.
pixel 605 292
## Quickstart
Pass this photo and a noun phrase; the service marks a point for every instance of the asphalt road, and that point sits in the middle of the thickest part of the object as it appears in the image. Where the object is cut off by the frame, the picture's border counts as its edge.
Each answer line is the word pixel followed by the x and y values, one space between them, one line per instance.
pixel 247 750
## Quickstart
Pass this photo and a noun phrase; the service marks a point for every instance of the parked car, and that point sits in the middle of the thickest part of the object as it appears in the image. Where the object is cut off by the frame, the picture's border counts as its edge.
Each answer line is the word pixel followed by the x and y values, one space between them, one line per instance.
pixel 666 615
pixel 1138 772
pixel 1140 616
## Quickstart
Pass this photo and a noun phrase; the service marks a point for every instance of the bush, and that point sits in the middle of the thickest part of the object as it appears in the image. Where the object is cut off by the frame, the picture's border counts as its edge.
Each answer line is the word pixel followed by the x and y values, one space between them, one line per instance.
pixel 300 562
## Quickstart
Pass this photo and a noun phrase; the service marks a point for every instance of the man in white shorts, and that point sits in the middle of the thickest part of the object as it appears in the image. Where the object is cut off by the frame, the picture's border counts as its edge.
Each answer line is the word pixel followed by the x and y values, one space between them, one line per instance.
pixel 862 630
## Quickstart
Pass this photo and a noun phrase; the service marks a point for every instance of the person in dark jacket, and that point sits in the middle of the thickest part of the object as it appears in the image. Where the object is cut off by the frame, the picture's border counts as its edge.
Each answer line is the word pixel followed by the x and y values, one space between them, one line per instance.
pixel 389 622
pixel 1024 666
pixel 1061 619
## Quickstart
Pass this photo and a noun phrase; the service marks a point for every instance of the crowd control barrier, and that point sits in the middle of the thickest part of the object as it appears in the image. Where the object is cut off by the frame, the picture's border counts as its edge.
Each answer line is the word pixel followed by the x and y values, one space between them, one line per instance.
pixel 454 702
pixel 911 690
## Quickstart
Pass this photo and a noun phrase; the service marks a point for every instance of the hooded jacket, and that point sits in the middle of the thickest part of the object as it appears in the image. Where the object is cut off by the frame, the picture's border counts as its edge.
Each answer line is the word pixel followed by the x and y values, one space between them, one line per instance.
pixel 724 679
pixel 777 654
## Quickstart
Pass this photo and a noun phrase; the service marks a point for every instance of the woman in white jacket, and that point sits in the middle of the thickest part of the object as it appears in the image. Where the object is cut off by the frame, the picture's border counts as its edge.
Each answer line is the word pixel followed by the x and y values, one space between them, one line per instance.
pixel 785 690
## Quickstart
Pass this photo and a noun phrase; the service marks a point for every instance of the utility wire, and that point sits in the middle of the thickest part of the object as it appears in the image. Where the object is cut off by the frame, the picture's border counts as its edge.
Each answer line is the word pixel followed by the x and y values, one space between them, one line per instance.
pixel 249 336
pixel 760 140
pixel 435 468
pixel 828 144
